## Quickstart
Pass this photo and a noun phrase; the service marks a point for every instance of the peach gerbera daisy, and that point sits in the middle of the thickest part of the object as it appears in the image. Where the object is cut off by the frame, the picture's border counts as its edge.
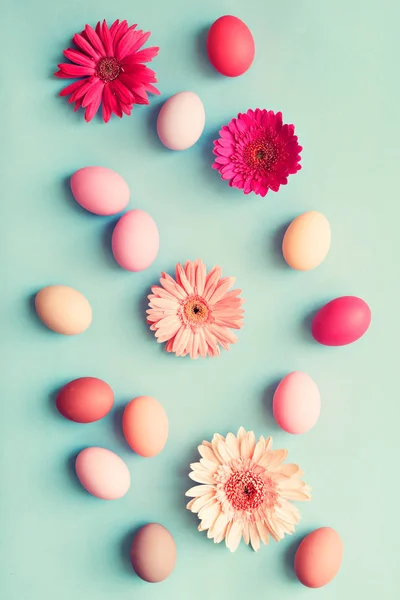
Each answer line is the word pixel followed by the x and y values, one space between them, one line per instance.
pixel 194 313
pixel 245 490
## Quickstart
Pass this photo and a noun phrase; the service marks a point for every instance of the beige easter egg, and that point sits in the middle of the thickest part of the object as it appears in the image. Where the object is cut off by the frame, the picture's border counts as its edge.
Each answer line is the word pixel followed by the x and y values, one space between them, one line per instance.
pixel 307 241
pixel 63 309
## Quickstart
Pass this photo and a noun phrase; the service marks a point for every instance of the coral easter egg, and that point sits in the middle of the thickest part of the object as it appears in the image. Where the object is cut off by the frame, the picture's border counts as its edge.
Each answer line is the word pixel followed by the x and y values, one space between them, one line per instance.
pixel 319 557
pixel 100 190
pixel 135 241
pixel 307 241
pixel 63 309
pixel 297 403
pixel 153 553
pixel 230 46
pixel 145 426
pixel 85 400
pixel 102 473
pixel 181 121
pixel 341 321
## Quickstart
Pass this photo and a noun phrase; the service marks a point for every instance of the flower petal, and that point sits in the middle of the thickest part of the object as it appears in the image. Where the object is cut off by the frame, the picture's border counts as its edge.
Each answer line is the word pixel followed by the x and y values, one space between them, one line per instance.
pixel 233 536
pixel 200 490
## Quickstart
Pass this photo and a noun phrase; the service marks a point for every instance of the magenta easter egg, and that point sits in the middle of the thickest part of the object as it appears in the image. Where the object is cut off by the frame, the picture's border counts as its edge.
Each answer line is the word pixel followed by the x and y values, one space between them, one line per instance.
pixel 135 241
pixel 100 190
pixel 102 473
pixel 341 321
pixel 297 403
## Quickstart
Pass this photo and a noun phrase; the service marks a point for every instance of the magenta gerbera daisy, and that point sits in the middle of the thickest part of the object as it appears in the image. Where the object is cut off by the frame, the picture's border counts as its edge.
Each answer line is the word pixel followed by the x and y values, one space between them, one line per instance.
pixel 108 62
pixel 257 152
pixel 195 312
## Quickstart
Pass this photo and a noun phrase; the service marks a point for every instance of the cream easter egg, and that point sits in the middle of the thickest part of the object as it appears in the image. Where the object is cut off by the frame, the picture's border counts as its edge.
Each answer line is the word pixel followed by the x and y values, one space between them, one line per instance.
pixel 181 121
pixel 102 473
pixel 100 190
pixel 307 241
pixel 135 241
pixel 145 426
pixel 297 403
pixel 63 309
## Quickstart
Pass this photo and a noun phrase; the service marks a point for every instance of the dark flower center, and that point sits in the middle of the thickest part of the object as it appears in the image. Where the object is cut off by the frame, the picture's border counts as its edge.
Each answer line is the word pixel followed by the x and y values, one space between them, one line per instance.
pixel 261 154
pixel 108 68
pixel 196 310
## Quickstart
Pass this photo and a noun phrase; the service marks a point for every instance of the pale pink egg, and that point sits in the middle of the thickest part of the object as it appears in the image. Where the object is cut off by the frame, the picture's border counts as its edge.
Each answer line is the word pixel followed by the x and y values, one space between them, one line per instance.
pixel 181 121
pixel 100 190
pixel 297 403
pixel 135 241
pixel 102 473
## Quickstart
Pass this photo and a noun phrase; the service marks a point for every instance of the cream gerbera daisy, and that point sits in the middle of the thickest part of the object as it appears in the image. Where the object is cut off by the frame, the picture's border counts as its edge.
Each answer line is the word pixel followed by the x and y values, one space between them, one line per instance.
pixel 245 490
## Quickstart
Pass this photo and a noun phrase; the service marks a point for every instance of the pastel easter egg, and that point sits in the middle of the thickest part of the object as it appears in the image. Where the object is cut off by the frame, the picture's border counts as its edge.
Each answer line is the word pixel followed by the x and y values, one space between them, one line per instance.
pixel 145 426
pixel 102 473
pixel 85 400
pixel 135 241
pixel 100 190
pixel 307 241
pixel 296 403
pixel 63 309
pixel 319 557
pixel 341 321
pixel 153 553
pixel 230 46
pixel 181 121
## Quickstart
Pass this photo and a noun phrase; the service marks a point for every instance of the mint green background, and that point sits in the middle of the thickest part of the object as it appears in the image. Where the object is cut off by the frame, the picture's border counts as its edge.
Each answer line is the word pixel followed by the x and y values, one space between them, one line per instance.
pixel 332 68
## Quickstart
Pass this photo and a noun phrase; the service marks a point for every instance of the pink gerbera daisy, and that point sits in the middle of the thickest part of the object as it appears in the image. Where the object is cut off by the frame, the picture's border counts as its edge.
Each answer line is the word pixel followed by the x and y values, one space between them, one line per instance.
pixel 109 65
pixel 256 152
pixel 245 490
pixel 194 313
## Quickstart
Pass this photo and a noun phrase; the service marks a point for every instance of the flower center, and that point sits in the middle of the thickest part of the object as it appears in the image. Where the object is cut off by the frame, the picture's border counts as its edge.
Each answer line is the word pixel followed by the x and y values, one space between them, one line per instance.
pixel 247 491
pixel 196 310
pixel 261 154
pixel 108 68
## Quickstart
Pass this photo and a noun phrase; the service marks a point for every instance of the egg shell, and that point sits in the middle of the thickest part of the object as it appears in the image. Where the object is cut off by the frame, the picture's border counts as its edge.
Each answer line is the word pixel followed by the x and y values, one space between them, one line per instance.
pixel 63 309
pixel 85 400
pixel 230 46
pixel 297 403
pixel 100 190
pixel 341 321
pixel 153 553
pixel 102 473
pixel 135 241
pixel 307 241
pixel 319 557
pixel 145 426
pixel 181 121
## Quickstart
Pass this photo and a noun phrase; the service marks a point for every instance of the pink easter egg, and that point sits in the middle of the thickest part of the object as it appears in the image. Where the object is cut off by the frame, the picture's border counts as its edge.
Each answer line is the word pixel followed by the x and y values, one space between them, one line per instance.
pixel 297 403
pixel 102 473
pixel 341 321
pixel 135 241
pixel 100 190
